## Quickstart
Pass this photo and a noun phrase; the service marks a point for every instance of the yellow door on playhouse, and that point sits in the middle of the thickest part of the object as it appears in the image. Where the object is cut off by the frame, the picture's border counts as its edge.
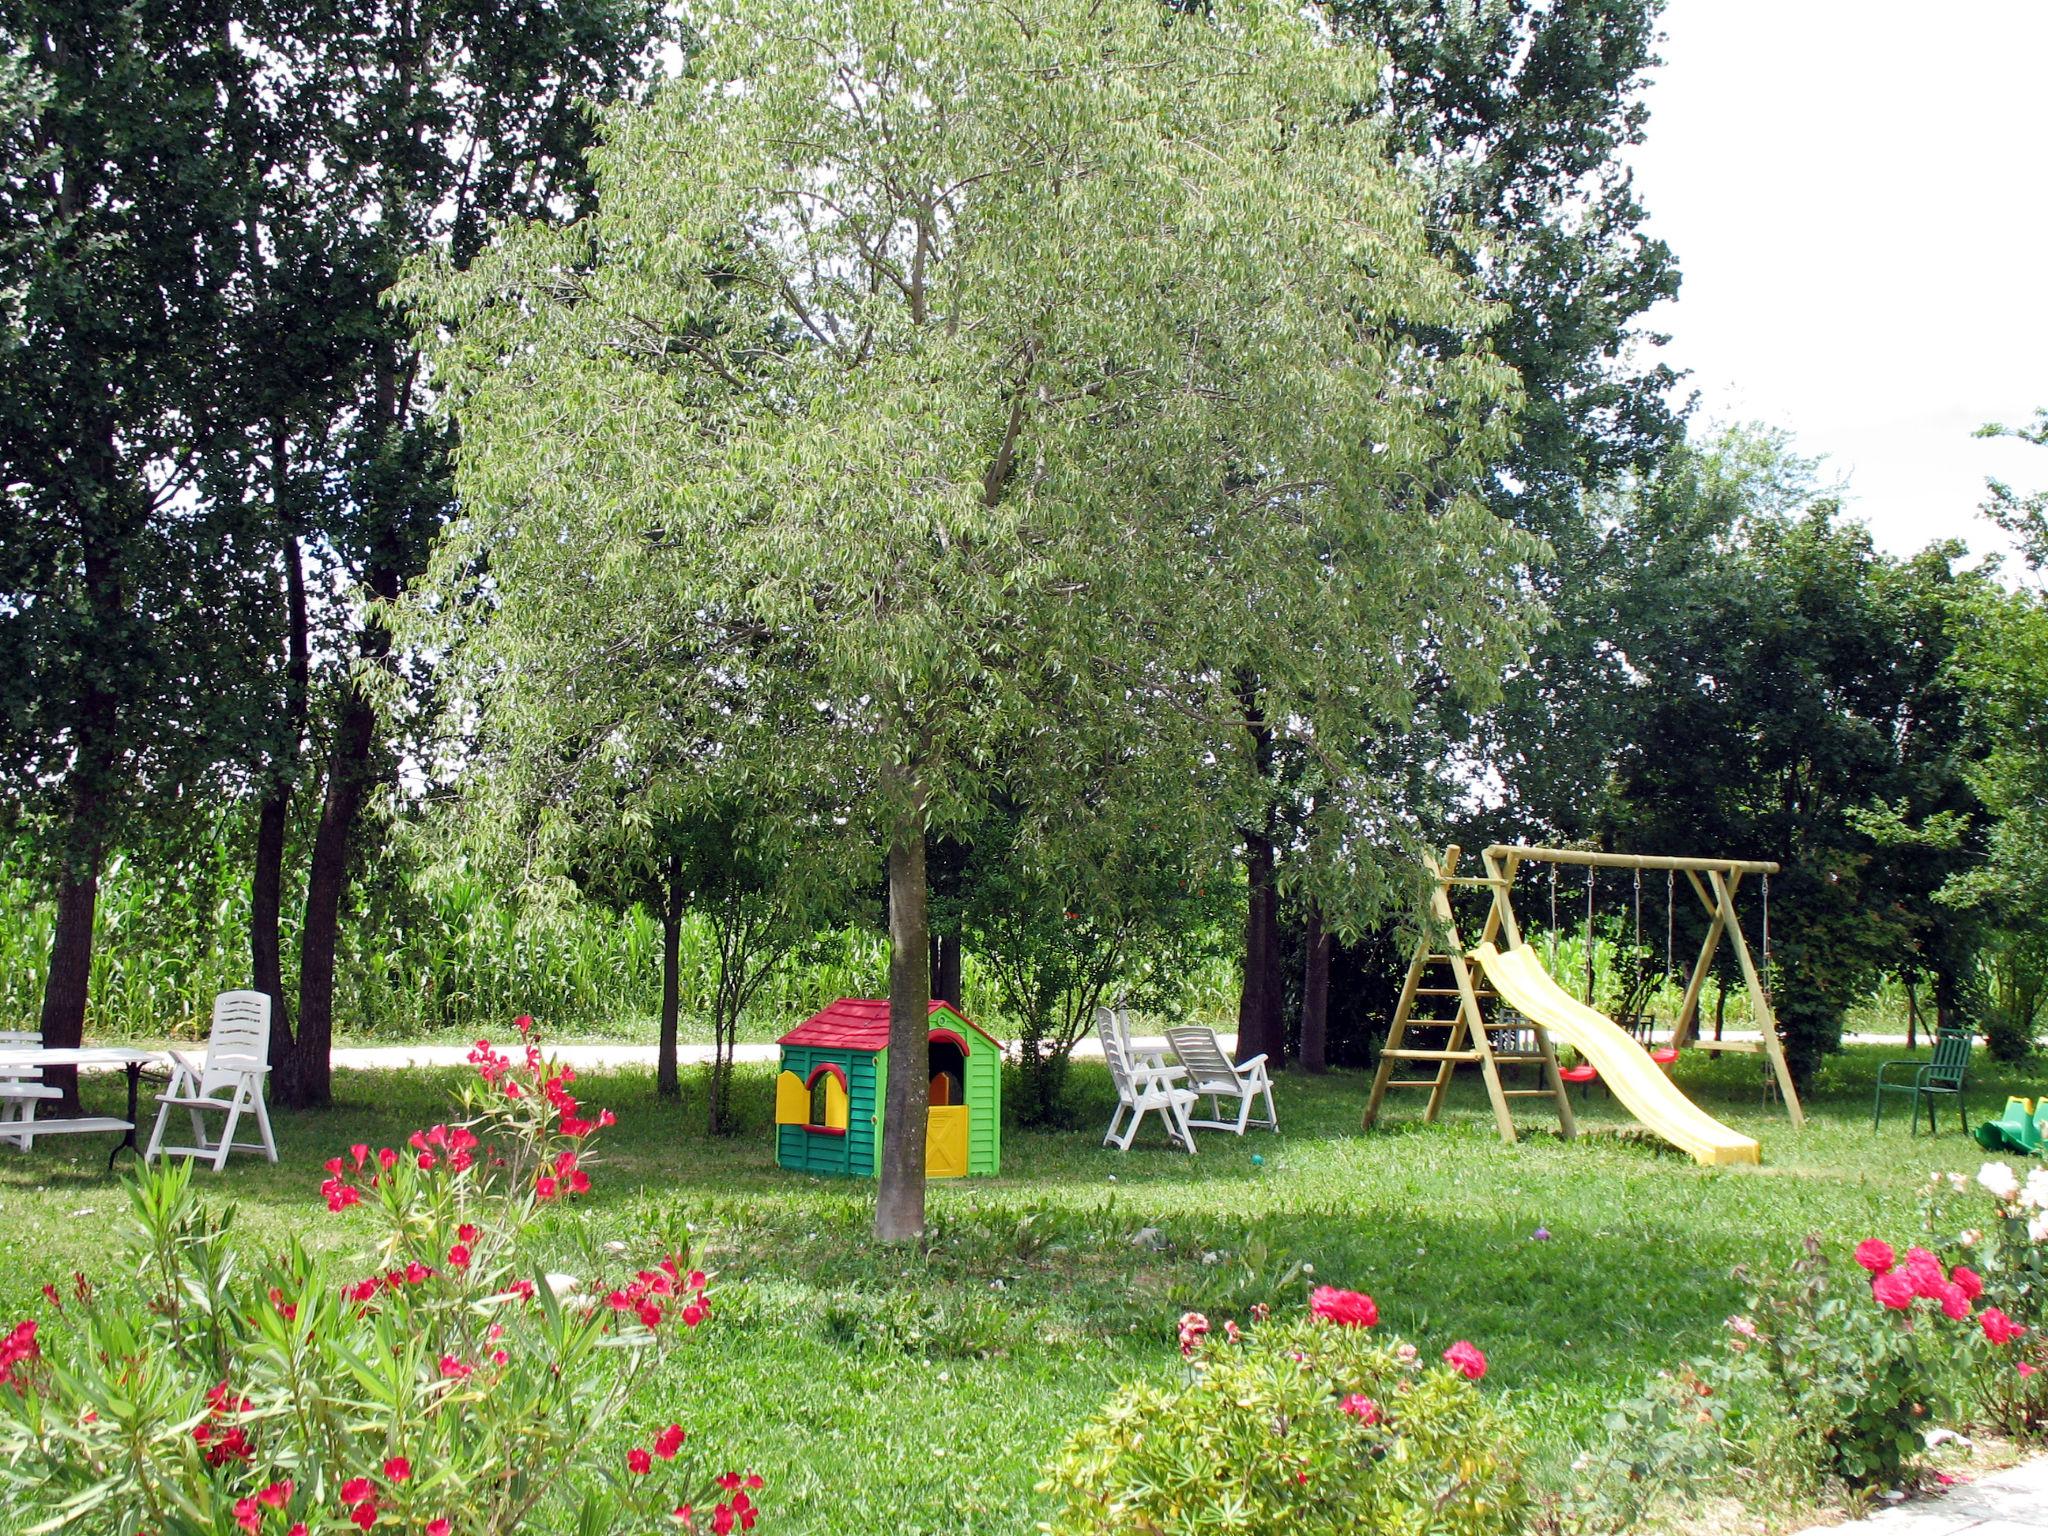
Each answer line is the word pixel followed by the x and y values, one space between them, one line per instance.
pixel 945 1143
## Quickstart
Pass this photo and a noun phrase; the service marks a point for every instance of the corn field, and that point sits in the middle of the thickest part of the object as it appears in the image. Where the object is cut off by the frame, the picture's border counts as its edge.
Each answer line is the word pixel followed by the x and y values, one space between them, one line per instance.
pixel 447 956
pixel 455 958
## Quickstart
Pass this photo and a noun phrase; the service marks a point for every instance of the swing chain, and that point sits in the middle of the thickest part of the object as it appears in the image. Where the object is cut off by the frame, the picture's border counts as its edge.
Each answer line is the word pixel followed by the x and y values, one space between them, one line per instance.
pixel 1670 906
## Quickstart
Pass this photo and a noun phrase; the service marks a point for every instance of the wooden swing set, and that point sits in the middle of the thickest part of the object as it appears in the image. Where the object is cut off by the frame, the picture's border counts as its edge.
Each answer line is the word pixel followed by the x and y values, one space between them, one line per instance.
pixel 1441 951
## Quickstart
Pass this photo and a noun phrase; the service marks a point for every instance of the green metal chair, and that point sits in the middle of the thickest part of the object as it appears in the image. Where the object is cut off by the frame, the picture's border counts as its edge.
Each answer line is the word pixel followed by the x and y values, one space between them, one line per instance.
pixel 1943 1073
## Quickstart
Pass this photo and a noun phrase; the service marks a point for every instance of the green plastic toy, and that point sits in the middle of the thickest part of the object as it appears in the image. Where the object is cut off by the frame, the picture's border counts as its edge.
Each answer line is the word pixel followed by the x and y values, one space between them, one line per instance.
pixel 2019 1129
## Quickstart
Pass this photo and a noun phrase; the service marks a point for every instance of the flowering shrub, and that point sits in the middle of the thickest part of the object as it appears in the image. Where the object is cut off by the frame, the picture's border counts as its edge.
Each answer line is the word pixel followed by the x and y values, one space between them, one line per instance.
pixel 1851 1364
pixel 438 1388
pixel 2007 1351
pixel 1314 1426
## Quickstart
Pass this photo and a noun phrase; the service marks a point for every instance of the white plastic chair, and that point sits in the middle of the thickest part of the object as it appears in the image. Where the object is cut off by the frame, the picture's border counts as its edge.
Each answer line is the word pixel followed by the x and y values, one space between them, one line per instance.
pixel 1214 1076
pixel 1142 1088
pixel 21 1089
pixel 229 1082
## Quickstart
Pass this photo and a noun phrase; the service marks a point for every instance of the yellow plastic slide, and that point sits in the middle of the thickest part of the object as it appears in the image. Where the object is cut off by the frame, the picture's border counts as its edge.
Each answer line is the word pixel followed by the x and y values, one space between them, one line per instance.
pixel 1625 1067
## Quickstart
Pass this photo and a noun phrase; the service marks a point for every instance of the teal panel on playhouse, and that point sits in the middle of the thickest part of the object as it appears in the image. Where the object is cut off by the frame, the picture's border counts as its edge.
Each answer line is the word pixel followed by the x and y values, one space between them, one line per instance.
pixel 830 1090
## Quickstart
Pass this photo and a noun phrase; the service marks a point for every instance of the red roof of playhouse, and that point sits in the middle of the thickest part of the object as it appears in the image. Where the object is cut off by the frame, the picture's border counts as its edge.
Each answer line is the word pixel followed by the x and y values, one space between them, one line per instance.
pixel 862 1024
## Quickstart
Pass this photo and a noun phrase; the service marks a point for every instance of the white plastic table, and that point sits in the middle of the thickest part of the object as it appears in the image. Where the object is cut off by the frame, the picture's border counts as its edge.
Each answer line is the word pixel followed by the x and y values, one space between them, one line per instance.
pixel 131 1059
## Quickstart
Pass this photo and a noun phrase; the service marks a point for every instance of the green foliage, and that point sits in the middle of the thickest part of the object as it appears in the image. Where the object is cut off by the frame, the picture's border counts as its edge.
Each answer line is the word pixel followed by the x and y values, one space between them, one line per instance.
pixel 1257 1438
pixel 1051 946
pixel 1660 1445
pixel 909 468
pixel 1840 1385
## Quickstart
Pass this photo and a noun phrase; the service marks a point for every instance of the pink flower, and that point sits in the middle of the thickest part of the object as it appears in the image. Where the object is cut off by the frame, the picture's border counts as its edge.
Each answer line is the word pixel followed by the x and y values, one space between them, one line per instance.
pixel 458 1257
pixel 1998 1328
pixel 453 1369
pixel 275 1496
pixel 247 1515
pixel 2024 1369
pixel 1875 1255
pixel 1192 1327
pixel 1924 1270
pixel 524 1023
pixel 638 1462
pixel 1954 1303
pixel 466 1233
pixel 695 1313
pixel 1466 1359
pixel 1966 1281
pixel 1352 1309
pixel 1892 1290
pixel 364 1514
pixel 438 1528
pixel 544 1187
pixel 397 1469
pixel 1361 1408
pixel 668 1442
pixel 357 1489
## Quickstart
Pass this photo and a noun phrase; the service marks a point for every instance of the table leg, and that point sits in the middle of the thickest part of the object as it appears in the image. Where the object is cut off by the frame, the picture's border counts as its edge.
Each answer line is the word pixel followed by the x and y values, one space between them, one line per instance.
pixel 128 1142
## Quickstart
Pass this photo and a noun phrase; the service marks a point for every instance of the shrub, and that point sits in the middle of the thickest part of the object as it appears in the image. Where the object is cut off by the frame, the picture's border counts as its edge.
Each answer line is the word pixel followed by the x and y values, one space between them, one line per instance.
pixel 440 1388
pixel 1852 1364
pixel 2005 1245
pixel 1659 1445
pixel 1315 1426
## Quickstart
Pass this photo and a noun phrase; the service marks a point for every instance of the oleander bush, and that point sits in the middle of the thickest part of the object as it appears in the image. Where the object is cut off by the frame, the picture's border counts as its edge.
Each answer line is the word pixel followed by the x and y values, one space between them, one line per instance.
pixel 1319 1425
pixel 440 1384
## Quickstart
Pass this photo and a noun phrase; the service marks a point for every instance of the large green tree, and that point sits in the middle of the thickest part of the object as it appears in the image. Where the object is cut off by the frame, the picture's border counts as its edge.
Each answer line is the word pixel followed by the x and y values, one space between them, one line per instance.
pixel 1517 117
pixel 1780 689
pixel 124 601
pixel 416 124
pixel 996 378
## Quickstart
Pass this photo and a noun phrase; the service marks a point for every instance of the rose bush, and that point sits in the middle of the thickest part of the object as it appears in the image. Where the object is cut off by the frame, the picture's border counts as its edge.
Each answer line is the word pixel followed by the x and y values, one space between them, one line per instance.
pixel 2006 1244
pixel 1853 1365
pixel 1320 1425
pixel 441 1386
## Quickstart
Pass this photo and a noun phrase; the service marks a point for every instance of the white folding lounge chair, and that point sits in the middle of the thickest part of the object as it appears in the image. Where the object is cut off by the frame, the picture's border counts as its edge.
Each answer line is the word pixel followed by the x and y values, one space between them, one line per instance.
pixel 1214 1076
pixel 1141 1088
pixel 229 1082
pixel 21 1089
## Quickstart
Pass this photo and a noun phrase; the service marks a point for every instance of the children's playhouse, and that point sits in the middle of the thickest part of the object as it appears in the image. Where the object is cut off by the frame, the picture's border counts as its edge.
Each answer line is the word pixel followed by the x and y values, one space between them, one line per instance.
pixel 835 1071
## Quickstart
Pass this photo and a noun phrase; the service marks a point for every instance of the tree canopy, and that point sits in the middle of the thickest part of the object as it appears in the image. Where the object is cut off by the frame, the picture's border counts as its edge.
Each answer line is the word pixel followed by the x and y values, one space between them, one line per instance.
pixel 999 380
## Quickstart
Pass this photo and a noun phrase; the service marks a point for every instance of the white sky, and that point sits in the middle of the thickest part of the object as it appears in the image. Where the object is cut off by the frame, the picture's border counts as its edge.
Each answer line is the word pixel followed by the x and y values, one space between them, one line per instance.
pixel 1855 193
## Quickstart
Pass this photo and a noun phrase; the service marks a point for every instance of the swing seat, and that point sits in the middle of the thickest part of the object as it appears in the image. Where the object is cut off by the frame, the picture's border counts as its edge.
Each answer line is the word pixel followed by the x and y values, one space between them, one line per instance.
pixel 1665 1056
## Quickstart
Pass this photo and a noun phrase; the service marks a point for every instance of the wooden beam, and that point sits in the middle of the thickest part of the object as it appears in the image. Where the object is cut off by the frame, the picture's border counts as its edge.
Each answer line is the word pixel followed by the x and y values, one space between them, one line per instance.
pixel 1759 1001
pixel 1629 860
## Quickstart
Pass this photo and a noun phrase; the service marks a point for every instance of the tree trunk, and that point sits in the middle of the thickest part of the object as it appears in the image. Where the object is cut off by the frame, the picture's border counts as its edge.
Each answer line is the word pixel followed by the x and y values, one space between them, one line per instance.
pixel 1912 1014
pixel 273 822
pixel 899 1203
pixel 1259 1027
pixel 307 1082
pixel 1315 995
pixel 69 981
pixel 945 966
pixel 667 1084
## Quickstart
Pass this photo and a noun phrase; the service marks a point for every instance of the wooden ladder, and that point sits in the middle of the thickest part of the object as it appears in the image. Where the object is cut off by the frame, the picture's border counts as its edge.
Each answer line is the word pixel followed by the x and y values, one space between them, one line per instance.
pixel 1469 1041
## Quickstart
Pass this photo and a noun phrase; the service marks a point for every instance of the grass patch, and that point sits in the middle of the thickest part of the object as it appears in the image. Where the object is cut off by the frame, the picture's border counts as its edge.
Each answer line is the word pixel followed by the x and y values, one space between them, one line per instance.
pixel 921 1391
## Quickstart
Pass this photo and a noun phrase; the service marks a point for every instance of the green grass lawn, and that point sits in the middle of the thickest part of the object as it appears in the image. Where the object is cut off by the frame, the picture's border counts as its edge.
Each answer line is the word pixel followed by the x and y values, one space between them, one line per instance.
pixel 921 1391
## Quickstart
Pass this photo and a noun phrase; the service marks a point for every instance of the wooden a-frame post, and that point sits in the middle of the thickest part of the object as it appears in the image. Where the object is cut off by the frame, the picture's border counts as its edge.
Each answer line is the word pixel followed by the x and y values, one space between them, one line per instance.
pixel 1468 1040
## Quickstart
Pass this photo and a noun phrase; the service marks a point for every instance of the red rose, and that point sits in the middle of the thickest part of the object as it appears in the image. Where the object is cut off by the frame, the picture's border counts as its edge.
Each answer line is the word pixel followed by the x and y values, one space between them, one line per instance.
pixel 1875 1255
pixel 1999 1328
pixel 1352 1309
pixel 1892 1290
pixel 1466 1359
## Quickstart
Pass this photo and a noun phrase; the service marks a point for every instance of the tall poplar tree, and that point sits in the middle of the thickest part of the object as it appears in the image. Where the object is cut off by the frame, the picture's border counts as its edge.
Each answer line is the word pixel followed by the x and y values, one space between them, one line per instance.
pixel 993 379
pixel 123 604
